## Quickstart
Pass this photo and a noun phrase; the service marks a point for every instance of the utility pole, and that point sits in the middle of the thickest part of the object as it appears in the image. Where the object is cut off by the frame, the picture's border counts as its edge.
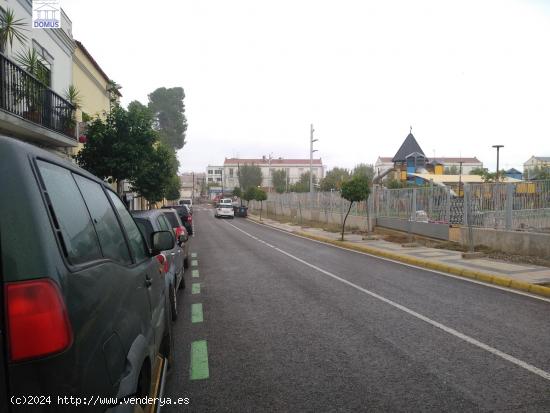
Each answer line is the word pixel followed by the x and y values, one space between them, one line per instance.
pixel 460 179
pixel 498 149
pixel 311 150
pixel 269 179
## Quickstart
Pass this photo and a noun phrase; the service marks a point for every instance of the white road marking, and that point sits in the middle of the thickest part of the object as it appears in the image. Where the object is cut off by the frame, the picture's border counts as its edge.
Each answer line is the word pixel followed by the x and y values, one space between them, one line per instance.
pixel 456 277
pixel 449 330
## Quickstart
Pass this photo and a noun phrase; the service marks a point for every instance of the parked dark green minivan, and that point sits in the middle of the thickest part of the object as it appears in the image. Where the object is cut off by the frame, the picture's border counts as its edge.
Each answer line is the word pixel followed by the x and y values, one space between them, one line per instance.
pixel 84 305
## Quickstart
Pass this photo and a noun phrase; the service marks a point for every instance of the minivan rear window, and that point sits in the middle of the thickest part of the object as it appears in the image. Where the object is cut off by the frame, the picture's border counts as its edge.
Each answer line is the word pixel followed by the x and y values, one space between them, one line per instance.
pixel 77 230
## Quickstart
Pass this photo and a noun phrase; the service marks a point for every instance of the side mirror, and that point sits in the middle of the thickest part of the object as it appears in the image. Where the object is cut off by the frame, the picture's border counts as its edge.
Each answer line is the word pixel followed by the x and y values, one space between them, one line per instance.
pixel 162 241
pixel 183 238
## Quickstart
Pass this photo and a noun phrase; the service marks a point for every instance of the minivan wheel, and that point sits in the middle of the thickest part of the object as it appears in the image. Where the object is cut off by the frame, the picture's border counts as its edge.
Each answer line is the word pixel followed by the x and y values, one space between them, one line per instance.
pixel 173 303
pixel 186 262
pixel 144 382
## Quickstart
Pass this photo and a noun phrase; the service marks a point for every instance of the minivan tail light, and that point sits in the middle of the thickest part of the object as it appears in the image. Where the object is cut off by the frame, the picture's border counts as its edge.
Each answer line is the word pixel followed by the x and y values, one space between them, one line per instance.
pixel 37 320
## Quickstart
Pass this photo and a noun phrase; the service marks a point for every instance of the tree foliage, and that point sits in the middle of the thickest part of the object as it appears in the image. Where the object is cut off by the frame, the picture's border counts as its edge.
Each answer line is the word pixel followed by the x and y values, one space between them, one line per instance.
pixel 115 147
pixel 355 190
pixel 156 172
pixel 237 192
pixel 364 170
pixel 173 188
pixel 334 179
pixel 280 180
pixel 249 194
pixel 250 176
pixel 168 109
pixel 303 183
pixel 452 170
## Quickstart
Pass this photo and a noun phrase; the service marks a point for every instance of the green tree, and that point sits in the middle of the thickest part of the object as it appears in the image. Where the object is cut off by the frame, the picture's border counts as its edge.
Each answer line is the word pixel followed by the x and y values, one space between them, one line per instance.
pixel 155 173
pixel 453 170
pixel 237 192
pixel 169 112
pixel 250 176
pixel 395 184
pixel 303 183
pixel 173 188
pixel 280 180
pixel 334 179
pixel 250 194
pixel 116 147
pixel 364 170
pixel 355 190
pixel 479 171
pixel 260 195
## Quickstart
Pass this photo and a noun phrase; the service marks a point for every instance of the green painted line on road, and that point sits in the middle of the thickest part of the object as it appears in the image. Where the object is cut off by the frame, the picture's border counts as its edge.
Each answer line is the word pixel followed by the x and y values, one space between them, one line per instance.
pixel 195 263
pixel 196 313
pixel 196 288
pixel 199 361
pixel 193 255
pixel 195 273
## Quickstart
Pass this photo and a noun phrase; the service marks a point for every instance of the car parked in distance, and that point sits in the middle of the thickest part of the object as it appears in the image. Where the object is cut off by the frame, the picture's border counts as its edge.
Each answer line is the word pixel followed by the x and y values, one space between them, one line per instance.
pixel 185 217
pixel 172 260
pixel 224 210
pixel 85 309
pixel 179 229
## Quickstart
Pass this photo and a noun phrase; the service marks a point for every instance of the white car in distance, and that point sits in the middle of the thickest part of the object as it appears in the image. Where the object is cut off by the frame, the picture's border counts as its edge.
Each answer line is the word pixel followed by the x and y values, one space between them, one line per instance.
pixel 225 209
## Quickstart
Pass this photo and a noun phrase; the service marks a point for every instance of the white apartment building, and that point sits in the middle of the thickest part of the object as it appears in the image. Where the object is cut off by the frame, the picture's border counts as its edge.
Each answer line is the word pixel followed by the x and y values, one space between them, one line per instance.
pixel 541 162
pixel 294 169
pixel 40 117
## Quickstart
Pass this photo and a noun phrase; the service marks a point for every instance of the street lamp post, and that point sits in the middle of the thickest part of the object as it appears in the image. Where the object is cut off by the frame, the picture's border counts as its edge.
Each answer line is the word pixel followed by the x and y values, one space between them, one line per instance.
pixel 498 150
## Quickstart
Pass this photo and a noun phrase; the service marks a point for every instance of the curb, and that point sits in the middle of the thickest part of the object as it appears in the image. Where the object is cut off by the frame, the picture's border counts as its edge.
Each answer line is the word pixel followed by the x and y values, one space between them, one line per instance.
pixel 461 272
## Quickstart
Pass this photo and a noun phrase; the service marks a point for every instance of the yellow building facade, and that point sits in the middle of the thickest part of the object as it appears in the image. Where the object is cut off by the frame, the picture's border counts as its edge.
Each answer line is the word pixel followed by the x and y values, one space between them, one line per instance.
pixel 91 82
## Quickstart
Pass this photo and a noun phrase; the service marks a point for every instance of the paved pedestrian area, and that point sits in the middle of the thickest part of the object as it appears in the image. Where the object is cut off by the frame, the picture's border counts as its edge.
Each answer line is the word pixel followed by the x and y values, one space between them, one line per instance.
pixel 521 272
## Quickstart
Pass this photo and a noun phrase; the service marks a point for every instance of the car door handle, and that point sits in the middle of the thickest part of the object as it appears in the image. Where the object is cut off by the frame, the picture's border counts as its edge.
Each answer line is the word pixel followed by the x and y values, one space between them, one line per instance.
pixel 148 281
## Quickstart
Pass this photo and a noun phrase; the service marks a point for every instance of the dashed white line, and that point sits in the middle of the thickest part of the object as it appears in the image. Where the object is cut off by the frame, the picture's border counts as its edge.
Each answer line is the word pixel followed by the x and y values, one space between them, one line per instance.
pixel 449 330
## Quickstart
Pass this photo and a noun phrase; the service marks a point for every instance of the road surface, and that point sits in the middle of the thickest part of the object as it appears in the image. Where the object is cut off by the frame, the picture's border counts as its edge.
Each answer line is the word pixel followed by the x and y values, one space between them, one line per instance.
pixel 290 324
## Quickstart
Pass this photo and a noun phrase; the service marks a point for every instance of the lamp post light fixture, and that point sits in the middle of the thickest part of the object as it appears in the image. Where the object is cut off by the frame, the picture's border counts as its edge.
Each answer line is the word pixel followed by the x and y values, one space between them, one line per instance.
pixel 498 149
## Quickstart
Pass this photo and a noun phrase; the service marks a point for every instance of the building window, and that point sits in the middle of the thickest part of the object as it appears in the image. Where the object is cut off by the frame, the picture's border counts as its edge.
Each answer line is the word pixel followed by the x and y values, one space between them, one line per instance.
pixel 231 172
pixel 218 171
pixel 210 172
pixel 218 179
pixel 45 66
pixel 210 180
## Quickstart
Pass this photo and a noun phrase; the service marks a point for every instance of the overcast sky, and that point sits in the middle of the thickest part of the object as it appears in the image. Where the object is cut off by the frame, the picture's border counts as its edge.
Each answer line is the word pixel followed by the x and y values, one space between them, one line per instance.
pixel 466 74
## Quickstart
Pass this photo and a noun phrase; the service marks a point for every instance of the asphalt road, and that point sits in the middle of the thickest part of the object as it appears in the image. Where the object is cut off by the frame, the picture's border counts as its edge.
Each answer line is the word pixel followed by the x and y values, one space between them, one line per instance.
pixel 295 325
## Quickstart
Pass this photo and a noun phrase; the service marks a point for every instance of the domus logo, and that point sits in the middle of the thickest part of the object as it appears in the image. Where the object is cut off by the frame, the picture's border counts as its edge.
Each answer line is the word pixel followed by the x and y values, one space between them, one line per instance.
pixel 46 14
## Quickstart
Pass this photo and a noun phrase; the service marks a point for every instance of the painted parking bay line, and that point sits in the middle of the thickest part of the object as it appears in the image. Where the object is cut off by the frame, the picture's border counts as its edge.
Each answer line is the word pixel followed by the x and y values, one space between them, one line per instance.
pixel 470 340
pixel 195 273
pixel 195 263
pixel 199 360
pixel 193 255
pixel 196 313
pixel 196 288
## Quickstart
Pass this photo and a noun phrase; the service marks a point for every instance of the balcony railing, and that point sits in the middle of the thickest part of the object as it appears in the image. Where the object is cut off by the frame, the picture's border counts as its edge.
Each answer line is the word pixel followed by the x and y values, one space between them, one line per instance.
pixel 25 96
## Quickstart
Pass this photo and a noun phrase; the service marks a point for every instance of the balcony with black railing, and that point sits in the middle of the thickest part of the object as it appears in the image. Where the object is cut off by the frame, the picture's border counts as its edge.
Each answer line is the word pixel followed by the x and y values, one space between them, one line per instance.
pixel 23 95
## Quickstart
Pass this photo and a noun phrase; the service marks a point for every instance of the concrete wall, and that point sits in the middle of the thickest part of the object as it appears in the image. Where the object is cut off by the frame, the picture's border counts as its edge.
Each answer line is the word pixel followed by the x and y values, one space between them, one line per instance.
pixel 427 229
pixel 513 242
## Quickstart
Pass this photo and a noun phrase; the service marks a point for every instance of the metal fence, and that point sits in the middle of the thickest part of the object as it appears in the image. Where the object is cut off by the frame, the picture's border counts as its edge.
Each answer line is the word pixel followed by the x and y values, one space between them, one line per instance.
pixel 523 206
pixel 25 96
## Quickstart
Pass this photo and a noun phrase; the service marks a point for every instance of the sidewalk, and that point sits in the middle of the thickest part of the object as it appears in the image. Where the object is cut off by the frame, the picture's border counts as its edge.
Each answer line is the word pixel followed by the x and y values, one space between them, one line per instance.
pixel 524 277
